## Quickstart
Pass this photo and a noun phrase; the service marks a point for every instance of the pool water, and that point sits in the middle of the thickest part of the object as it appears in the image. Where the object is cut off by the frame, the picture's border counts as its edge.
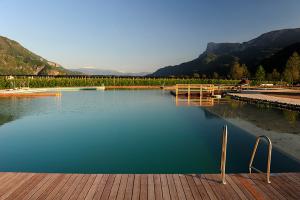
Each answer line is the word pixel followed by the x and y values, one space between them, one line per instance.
pixel 121 131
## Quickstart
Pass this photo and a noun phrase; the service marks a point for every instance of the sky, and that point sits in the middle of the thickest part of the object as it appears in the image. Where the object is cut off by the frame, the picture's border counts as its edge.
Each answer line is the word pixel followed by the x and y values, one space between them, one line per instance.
pixel 137 35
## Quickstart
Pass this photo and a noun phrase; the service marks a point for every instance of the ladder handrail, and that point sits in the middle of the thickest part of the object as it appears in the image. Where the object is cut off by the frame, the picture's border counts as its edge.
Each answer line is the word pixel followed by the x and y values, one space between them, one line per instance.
pixel 223 155
pixel 269 156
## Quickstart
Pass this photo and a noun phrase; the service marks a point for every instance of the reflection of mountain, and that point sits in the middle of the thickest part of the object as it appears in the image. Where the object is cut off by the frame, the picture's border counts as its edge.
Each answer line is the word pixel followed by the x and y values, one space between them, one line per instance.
pixel 6 118
pixel 283 121
pixel 11 109
pixel 15 108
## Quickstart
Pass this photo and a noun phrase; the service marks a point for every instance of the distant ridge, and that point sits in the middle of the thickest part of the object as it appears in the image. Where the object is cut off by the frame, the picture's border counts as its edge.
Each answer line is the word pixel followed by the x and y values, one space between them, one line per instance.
pixel 217 57
pixel 17 60
pixel 106 72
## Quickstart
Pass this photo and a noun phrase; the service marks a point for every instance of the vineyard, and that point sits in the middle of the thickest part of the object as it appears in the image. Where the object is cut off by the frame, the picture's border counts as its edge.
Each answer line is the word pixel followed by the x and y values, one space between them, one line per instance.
pixel 42 82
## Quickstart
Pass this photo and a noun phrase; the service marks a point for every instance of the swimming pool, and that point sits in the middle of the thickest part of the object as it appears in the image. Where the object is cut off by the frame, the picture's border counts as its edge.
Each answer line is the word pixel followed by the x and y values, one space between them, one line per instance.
pixel 121 131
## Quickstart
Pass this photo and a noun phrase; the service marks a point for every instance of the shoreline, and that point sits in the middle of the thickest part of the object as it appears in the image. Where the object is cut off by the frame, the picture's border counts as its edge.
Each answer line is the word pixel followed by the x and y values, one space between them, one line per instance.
pixel 265 97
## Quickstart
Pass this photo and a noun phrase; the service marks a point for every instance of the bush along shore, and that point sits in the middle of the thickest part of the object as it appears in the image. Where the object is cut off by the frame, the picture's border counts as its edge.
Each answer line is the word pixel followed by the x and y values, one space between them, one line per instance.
pixel 9 82
pixel 41 82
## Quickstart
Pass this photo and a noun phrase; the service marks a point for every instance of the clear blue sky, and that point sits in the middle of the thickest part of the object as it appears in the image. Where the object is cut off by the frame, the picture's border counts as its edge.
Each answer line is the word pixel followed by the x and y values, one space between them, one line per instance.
pixel 137 35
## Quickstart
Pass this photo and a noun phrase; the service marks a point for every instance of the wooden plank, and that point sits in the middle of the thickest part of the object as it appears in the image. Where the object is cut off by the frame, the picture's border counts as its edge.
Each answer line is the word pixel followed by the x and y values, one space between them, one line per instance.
pixel 52 186
pixel 200 187
pixel 292 178
pixel 87 187
pixel 207 187
pixel 45 186
pixel 129 187
pixel 262 187
pixel 193 187
pixel 151 188
pixel 283 188
pixel 79 187
pixel 37 187
pixel 59 191
pixel 16 183
pixel 179 187
pixel 108 186
pixel 101 186
pixel 8 182
pixel 251 187
pixel 241 187
pixel 23 188
pixel 10 179
pixel 185 186
pixel 73 186
pixel 136 187
pixel 122 188
pixel 227 189
pixel 93 188
pixel 157 187
pixel 115 187
pixel 237 189
pixel 217 187
pixel 144 186
pixel 295 175
pixel 172 187
pixel 165 187
pixel 260 181
pixel 6 177
pixel 294 188
pixel 28 187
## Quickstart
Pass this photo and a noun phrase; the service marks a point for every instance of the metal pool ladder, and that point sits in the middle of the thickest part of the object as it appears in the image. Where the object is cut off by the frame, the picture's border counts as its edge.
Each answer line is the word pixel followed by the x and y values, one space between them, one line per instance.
pixel 269 156
pixel 223 156
pixel 224 151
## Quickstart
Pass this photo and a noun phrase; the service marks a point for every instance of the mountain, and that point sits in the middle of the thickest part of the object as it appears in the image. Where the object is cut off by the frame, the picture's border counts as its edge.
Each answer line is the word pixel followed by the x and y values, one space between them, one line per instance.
pixel 107 72
pixel 280 58
pixel 218 57
pixel 17 60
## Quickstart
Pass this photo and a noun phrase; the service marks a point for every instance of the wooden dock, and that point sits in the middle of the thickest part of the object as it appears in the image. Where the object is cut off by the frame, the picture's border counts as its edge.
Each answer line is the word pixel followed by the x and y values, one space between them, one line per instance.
pixel 147 186
pixel 190 90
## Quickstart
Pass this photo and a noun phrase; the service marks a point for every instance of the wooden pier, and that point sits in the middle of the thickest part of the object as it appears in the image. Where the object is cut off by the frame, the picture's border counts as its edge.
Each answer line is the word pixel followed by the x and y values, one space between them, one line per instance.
pixel 148 186
pixel 190 90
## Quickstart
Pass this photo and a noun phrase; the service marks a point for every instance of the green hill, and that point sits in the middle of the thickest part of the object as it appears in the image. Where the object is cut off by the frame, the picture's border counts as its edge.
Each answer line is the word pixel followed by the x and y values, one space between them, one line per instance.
pixel 17 60
pixel 218 57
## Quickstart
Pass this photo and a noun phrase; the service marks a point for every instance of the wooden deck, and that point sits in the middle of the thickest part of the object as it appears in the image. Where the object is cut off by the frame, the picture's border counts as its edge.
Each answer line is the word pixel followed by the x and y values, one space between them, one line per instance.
pixel 147 186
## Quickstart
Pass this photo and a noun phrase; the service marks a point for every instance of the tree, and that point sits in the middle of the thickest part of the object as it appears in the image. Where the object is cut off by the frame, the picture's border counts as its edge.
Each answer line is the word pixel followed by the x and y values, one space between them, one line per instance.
pixel 196 75
pixel 246 73
pixel 260 73
pixel 292 69
pixel 237 71
pixel 275 75
pixel 215 75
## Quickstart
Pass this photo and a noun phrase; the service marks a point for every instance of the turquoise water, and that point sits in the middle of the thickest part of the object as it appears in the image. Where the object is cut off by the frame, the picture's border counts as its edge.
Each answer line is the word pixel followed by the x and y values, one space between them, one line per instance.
pixel 120 132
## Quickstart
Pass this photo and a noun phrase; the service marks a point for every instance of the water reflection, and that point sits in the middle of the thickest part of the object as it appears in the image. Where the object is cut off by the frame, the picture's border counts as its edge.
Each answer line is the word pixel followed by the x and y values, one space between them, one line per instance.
pixel 282 126
pixel 291 116
pixel 271 119
pixel 13 108
pixel 198 101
